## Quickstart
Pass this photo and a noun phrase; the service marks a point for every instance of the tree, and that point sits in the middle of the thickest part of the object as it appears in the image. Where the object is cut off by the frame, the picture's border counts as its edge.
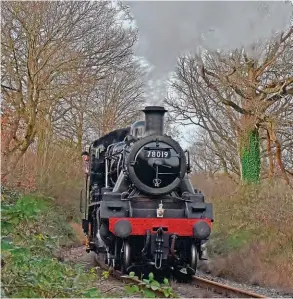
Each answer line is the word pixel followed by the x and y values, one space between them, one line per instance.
pixel 235 92
pixel 52 51
pixel 111 103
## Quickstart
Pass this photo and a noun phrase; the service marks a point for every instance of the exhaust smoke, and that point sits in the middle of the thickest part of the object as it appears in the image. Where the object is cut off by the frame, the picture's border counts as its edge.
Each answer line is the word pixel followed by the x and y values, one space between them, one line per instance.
pixel 168 29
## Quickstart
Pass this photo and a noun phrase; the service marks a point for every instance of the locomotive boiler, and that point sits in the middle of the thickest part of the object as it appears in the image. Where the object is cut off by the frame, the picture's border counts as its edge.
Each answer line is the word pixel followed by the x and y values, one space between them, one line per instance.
pixel 140 208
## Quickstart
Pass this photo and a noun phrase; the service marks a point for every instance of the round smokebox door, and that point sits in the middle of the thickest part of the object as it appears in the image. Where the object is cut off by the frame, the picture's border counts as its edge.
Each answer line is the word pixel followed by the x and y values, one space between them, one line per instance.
pixel 156 167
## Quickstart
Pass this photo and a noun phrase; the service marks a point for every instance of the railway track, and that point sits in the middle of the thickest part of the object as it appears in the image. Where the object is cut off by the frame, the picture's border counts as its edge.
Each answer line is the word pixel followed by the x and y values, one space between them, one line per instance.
pixel 223 289
pixel 122 277
pixel 206 284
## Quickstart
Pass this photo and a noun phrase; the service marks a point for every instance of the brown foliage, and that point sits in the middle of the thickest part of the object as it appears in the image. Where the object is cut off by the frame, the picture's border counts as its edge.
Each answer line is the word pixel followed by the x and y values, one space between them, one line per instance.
pixel 250 264
pixel 57 174
pixel 261 219
pixel 225 94
pixel 54 55
pixel 79 233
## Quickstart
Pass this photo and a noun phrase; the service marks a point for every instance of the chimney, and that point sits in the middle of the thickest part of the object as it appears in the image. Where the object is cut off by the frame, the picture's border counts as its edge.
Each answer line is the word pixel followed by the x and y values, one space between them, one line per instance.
pixel 154 120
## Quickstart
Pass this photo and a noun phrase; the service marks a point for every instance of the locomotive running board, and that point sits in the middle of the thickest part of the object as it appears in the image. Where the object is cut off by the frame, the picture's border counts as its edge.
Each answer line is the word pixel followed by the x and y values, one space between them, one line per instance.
pixel 179 226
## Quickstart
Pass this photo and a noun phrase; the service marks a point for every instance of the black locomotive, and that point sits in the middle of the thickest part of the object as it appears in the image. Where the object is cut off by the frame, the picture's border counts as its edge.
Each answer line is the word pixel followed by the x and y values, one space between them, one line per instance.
pixel 141 211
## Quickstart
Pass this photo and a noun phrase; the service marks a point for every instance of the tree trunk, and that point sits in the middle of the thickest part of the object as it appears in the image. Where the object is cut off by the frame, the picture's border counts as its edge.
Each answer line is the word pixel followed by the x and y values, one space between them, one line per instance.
pixel 250 156
pixel 278 152
pixel 279 160
pixel 270 155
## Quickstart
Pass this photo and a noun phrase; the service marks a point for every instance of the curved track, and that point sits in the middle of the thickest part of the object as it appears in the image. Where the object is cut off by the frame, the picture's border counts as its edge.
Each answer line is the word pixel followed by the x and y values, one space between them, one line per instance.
pixel 223 289
pixel 206 284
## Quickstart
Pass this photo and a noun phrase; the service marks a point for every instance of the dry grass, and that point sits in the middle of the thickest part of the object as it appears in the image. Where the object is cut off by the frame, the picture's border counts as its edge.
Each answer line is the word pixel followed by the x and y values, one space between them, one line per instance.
pixel 58 174
pixel 252 238
pixel 250 264
pixel 80 237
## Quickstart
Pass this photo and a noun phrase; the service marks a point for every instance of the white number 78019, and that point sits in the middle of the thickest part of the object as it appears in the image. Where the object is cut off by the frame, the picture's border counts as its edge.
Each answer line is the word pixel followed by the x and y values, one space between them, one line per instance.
pixel 157 154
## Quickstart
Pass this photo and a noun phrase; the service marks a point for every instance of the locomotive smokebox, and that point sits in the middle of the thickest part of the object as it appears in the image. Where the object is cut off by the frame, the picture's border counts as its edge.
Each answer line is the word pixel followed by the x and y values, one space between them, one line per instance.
pixel 154 120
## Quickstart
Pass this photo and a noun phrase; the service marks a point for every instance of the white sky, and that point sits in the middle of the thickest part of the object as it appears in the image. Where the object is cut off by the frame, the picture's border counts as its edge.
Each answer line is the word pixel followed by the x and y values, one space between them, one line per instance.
pixel 161 39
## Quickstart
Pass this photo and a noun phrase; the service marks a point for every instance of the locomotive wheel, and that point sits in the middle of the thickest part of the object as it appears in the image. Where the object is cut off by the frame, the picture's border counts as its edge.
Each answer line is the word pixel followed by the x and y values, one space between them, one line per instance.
pixel 193 257
pixel 125 257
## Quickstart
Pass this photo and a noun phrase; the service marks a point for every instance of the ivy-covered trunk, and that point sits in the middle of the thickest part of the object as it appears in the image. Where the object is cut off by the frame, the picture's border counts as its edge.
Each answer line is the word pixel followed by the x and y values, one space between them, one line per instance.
pixel 250 156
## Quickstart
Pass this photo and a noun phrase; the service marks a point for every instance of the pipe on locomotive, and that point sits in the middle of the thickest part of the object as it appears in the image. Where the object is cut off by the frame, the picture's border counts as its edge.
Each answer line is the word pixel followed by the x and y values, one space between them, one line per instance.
pixel 154 120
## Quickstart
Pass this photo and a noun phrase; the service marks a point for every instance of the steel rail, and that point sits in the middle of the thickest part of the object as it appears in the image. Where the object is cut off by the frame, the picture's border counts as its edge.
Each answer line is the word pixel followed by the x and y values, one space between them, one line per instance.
pixel 204 283
pixel 124 278
pixel 223 289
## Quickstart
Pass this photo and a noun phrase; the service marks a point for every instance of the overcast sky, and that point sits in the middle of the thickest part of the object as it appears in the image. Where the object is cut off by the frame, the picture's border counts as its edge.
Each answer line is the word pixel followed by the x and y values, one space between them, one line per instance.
pixel 170 28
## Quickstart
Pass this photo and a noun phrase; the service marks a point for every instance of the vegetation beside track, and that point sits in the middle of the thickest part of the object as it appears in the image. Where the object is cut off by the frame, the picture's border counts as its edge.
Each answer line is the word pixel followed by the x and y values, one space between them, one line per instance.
pixel 252 237
pixel 149 287
pixel 33 232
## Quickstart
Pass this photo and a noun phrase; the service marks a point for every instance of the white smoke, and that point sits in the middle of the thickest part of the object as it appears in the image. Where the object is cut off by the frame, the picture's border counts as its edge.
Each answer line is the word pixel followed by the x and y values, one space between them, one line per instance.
pixel 170 28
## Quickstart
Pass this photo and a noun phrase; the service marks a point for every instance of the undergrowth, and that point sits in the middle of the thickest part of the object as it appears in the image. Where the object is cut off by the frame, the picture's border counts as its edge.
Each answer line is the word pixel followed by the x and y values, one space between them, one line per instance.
pixel 255 214
pixel 252 238
pixel 149 288
pixel 33 230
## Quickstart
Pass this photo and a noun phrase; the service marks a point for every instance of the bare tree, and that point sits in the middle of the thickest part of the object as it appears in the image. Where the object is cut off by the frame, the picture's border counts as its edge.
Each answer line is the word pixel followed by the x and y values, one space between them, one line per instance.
pixel 51 51
pixel 233 96
pixel 111 103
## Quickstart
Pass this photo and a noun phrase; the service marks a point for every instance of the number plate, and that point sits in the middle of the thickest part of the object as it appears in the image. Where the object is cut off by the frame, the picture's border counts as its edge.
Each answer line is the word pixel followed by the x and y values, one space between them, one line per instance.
pixel 157 154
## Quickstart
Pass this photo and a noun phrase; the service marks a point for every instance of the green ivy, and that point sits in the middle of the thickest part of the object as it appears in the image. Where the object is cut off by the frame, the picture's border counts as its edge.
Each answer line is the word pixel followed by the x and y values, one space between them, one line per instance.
pixel 250 157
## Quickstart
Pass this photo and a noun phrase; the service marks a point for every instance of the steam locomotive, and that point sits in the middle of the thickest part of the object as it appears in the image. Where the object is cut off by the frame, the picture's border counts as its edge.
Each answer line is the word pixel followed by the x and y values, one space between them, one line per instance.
pixel 140 210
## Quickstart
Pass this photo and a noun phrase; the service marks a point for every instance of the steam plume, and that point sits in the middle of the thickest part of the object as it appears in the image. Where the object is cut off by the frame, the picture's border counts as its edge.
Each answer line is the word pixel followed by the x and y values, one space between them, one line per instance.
pixel 168 28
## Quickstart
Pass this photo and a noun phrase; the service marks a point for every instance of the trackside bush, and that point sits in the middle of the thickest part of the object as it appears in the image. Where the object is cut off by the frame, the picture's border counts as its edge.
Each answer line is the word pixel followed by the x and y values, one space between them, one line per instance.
pixel 32 233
